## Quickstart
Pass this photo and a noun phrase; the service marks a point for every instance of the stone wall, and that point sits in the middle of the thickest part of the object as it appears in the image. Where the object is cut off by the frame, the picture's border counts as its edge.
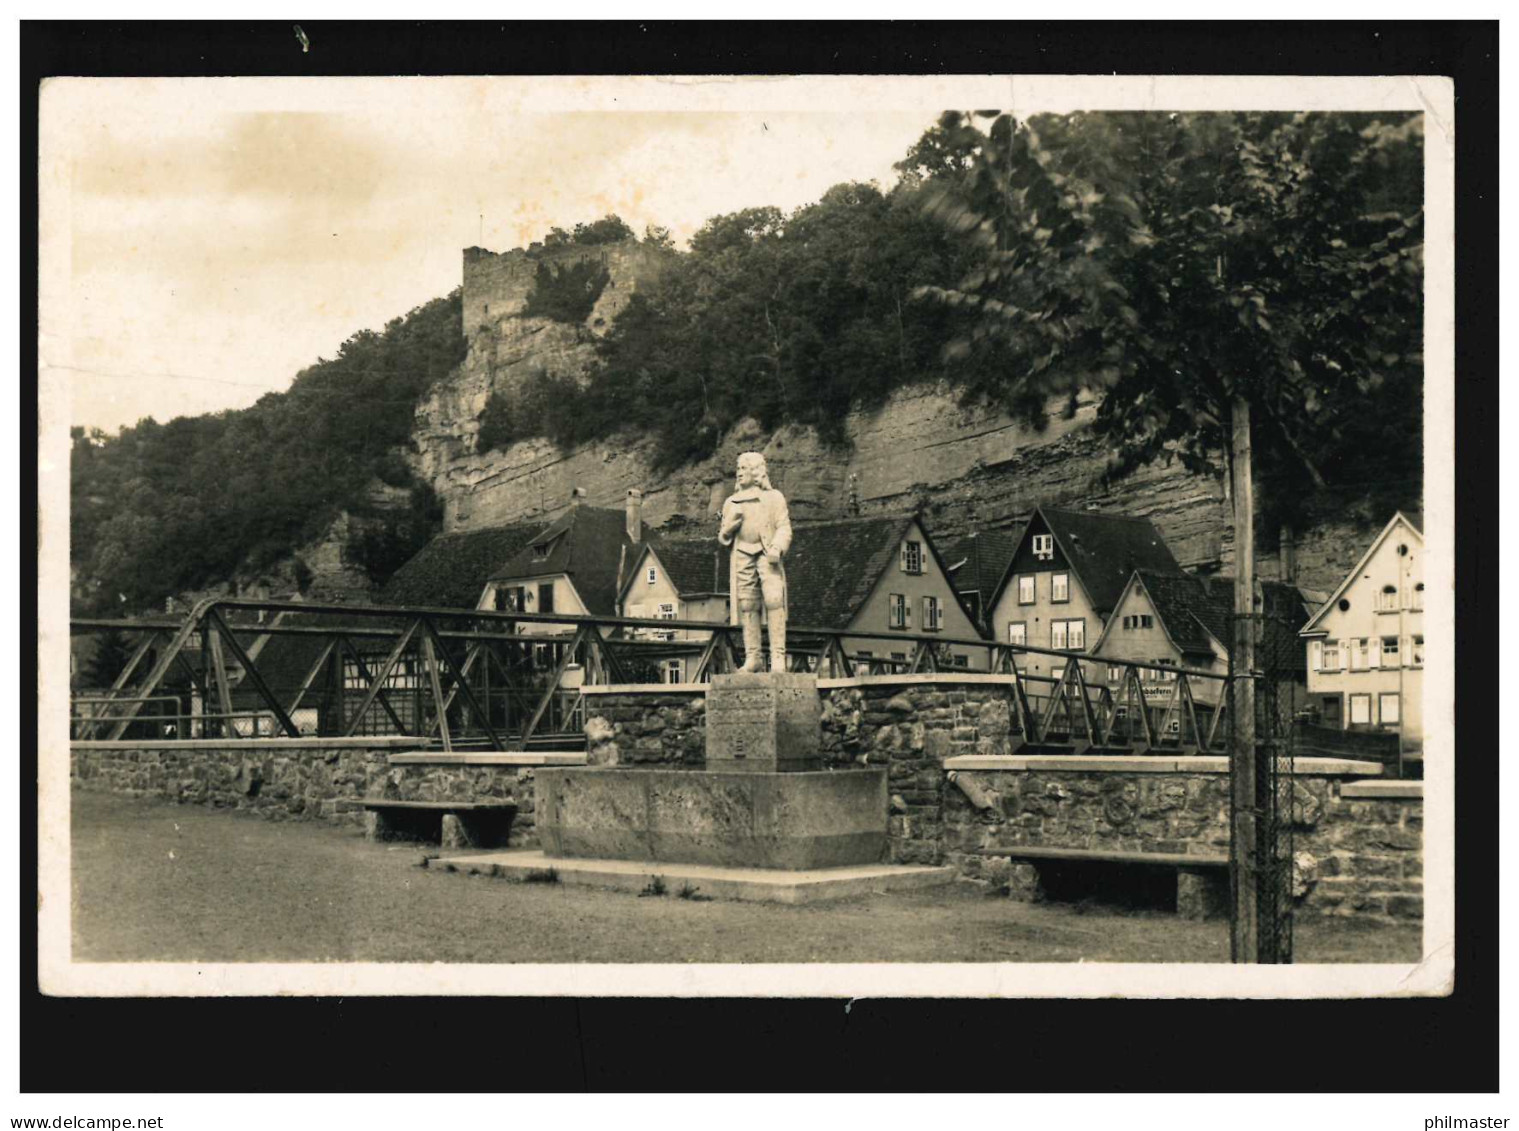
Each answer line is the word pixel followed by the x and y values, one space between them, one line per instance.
pixel 1352 856
pixel 659 727
pixel 297 779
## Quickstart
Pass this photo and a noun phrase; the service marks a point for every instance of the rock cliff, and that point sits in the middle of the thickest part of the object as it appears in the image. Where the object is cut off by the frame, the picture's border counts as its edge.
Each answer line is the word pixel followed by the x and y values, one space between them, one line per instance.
pixel 965 468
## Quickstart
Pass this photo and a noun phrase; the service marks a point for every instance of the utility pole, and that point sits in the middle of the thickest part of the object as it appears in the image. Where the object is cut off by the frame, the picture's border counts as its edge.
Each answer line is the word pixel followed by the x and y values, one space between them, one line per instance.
pixel 1243 856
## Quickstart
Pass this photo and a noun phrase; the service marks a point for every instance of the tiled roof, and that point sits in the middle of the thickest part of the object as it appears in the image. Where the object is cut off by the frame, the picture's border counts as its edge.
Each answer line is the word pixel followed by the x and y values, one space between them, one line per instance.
pixel 976 562
pixel 451 571
pixel 1191 607
pixel 693 565
pixel 1104 550
pixel 833 566
pixel 587 544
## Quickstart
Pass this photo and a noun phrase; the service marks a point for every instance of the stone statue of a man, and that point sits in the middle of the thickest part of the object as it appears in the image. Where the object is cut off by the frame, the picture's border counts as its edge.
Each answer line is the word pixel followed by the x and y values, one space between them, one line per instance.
pixel 755 523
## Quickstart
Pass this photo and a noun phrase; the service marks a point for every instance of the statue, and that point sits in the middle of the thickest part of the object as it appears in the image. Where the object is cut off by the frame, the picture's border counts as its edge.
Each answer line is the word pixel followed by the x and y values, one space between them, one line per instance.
pixel 755 523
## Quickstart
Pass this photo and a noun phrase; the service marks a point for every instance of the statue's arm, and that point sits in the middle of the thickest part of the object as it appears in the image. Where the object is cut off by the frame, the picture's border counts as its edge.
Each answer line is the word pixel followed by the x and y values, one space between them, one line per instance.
pixel 782 540
pixel 729 524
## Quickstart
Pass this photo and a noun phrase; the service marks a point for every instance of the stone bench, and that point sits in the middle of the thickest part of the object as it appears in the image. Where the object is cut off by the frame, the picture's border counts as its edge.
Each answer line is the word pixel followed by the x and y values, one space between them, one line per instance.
pixel 453 824
pixel 1201 892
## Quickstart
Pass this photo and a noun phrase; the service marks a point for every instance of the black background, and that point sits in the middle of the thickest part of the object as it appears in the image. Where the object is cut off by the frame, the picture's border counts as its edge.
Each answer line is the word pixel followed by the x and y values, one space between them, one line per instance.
pixel 377 1044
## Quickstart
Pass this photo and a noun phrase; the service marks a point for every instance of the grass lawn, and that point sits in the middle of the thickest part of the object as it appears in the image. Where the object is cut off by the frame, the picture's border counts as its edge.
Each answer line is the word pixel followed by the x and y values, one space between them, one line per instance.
pixel 155 881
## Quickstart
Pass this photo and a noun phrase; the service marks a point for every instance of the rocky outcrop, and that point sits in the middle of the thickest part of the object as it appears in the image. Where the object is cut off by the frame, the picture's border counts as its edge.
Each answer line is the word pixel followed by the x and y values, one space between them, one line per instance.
pixel 964 467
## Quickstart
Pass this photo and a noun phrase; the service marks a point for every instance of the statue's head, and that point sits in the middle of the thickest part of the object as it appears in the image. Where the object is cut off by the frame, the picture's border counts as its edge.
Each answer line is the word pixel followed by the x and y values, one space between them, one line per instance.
pixel 752 471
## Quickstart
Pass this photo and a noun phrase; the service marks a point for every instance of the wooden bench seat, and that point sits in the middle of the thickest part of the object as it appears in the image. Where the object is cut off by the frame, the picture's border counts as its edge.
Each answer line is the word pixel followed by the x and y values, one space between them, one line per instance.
pixel 1201 892
pixel 452 824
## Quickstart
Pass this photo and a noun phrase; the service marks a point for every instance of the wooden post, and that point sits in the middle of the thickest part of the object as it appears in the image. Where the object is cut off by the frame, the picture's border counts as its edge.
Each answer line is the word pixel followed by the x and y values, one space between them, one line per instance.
pixel 1244 940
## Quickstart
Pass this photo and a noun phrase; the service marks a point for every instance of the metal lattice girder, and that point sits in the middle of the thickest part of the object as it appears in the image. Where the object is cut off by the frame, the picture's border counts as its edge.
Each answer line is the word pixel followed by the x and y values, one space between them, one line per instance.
pixel 165 660
pixel 252 674
pixel 553 687
pixel 430 659
pixel 315 670
pixel 377 684
pixel 462 685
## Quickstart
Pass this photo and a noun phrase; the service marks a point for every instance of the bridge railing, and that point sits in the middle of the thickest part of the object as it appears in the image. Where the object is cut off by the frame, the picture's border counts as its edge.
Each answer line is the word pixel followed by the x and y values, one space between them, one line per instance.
pixel 506 679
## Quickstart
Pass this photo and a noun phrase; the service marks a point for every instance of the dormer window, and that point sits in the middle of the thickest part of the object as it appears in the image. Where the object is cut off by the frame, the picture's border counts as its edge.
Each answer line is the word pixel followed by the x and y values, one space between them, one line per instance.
pixel 541 551
pixel 1044 547
pixel 912 557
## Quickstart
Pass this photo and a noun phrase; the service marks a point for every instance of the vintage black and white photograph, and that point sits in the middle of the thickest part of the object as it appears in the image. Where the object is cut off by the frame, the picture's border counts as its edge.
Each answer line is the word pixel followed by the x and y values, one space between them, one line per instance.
pixel 705 536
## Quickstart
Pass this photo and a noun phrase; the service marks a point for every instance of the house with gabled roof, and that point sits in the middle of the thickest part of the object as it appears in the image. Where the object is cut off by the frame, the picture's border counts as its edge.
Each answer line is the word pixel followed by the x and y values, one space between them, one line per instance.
pixel 572 566
pixel 976 563
pixel 675 579
pixel 1366 643
pixel 881 574
pixel 1065 578
pixel 1174 620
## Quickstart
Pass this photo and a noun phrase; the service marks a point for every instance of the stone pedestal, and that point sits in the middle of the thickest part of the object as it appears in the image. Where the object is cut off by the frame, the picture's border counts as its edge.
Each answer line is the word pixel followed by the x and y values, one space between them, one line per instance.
pixel 764 722
pixel 739 820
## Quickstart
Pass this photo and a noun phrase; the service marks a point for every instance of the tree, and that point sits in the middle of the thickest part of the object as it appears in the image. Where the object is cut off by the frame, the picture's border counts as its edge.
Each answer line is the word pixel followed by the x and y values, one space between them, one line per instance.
pixel 109 660
pixel 1173 261
pixel 1225 282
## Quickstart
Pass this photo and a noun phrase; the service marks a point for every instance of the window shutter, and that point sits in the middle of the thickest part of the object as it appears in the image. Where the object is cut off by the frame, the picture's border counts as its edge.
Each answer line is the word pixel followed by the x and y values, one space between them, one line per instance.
pixel 907 610
pixel 902 557
pixel 1376 652
pixel 1315 655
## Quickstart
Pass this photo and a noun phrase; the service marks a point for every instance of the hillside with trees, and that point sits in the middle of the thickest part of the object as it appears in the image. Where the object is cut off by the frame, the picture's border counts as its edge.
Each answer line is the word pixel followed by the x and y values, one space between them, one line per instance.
pixel 1158 260
pixel 163 508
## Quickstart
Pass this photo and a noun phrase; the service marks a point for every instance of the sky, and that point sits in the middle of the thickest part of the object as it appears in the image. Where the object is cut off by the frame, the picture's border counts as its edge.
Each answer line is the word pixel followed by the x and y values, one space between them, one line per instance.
pixel 220 237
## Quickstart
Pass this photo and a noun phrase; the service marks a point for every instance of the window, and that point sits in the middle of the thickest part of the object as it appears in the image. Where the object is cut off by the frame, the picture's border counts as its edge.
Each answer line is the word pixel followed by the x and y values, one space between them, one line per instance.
pixel 670 670
pixel 1146 621
pixel 1165 674
pixel 667 610
pixel 546 597
pixel 1025 590
pixel 972 602
pixel 1360 709
pixel 1387 708
pixel 652 575
pixel 1044 547
pixel 1115 673
pixel 1387 600
pixel 1017 632
pixel 541 552
pixel 1360 655
pixel 1057 674
pixel 1068 634
pixel 1331 656
pixel 1418 652
pixel 1315 655
pixel 1060 587
pixel 1418 600
pixel 912 557
pixel 933 613
pixel 900 611
pixel 899 657
pixel 512 599
pixel 1390 652
pixel 961 660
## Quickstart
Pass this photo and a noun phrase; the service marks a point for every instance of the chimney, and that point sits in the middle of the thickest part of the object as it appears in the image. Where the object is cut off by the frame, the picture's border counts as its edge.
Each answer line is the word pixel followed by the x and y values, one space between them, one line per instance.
pixel 854 496
pixel 1287 555
pixel 576 495
pixel 635 515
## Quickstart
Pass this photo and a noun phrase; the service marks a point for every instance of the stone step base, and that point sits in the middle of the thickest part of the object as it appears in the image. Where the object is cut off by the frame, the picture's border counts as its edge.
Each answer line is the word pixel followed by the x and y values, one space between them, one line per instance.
pixel 762 885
